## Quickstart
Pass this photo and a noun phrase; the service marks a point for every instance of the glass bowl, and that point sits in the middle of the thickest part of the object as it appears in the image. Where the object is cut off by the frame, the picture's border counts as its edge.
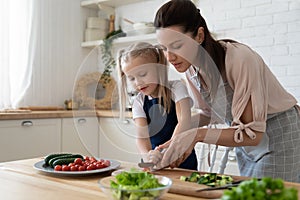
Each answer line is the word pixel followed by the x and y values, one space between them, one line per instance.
pixel 137 194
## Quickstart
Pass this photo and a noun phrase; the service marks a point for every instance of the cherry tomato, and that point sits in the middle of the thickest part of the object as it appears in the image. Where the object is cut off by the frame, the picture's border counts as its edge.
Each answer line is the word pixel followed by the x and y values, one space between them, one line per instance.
pixel 91 167
pixel 65 168
pixel 78 161
pixel 77 166
pixel 100 166
pixel 81 168
pixel 57 168
pixel 74 168
pixel 93 159
pixel 71 164
pixel 107 163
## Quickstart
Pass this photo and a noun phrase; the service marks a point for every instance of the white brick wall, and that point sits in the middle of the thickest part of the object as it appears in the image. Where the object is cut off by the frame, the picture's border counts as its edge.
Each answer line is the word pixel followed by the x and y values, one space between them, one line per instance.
pixel 271 27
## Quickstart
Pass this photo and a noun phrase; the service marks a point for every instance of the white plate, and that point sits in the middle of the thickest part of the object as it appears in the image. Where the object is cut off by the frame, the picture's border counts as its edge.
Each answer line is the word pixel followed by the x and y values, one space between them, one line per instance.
pixel 41 167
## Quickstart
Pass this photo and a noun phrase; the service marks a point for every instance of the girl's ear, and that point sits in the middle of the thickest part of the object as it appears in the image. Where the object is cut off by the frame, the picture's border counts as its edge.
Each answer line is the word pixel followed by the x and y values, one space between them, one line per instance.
pixel 200 35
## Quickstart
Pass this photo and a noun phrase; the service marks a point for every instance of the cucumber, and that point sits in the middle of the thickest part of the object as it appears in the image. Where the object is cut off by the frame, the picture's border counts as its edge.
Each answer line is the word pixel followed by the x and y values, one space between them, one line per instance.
pixel 63 161
pixel 50 156
pixel 62 157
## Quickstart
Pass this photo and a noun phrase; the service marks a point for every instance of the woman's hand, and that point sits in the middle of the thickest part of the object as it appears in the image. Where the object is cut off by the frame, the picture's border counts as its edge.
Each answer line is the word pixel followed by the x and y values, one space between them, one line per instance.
pixel 179 148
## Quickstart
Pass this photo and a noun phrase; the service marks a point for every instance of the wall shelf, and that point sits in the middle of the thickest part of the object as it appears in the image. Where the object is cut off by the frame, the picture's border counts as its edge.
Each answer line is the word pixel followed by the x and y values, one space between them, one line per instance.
pixel 111 3
pixel 123 40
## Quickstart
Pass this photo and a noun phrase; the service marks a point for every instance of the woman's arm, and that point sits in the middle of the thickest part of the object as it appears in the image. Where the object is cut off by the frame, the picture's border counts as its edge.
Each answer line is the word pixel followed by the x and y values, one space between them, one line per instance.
pixel 182 144
pixel 225 137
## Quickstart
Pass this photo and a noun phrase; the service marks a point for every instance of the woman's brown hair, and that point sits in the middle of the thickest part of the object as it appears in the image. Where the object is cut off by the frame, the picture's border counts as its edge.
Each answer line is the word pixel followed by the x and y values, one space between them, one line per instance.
pixel 185 14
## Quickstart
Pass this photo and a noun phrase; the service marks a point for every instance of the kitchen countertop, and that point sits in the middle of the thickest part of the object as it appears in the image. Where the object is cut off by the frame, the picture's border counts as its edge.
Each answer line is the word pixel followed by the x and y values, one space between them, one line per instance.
pixel 20 181
pixel 58 114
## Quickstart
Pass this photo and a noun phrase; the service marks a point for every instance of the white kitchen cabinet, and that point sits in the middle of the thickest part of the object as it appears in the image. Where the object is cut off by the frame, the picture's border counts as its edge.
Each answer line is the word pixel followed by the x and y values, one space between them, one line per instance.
pixel 117 140
pixel 20 139
pixel 80 135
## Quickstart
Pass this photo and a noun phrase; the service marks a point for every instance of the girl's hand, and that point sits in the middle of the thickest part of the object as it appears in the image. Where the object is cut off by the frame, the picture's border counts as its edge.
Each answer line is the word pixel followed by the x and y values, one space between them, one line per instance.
pixel 179 148
pixel 154 156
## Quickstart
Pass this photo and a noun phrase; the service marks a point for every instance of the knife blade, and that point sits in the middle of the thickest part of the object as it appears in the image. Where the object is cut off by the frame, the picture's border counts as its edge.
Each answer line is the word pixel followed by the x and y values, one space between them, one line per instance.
pixel 227 186
pixel 143 164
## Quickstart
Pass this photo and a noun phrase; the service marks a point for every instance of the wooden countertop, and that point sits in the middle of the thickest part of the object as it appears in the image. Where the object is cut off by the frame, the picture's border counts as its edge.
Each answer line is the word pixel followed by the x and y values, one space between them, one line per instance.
pixel 20 181
pixel 59 114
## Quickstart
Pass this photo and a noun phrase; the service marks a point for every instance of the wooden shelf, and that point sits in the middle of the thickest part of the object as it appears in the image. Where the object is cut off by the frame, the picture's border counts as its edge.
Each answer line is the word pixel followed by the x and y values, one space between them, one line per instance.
pixel 109 6
pixel 111 3
pixel 123 40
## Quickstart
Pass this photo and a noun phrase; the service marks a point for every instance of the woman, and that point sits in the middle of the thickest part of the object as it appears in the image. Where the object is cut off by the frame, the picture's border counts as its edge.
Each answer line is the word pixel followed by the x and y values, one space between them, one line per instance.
pixel 231 84
pixel 161 108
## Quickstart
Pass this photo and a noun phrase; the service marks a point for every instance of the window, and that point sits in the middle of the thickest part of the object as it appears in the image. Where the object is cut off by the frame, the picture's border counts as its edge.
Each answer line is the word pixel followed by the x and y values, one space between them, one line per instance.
pixel 16 50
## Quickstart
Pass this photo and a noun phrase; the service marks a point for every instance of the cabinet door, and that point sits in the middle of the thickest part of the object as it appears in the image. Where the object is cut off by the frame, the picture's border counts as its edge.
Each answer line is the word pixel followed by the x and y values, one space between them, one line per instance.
pixel 80 135
pixel 117 140
pixel 20 139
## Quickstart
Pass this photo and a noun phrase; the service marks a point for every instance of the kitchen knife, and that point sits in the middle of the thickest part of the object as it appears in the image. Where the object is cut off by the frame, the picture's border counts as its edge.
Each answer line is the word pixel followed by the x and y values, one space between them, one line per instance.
pixel 143 164
pixel 227 186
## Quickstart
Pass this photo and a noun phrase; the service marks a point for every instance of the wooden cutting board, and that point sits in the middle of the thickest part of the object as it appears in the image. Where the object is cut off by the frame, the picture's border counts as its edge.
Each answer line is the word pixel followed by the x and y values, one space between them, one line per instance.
pixel 187 188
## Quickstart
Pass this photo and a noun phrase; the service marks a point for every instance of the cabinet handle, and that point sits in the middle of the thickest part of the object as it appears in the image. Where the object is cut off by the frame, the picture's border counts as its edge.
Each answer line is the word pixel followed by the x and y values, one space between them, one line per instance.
pixel 231 158
pixel 27 123
pixel 81 121
pixel 125 121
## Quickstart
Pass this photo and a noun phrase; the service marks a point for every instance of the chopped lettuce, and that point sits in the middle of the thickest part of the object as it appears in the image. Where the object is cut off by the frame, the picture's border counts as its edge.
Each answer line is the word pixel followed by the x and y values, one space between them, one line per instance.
pixel 130 185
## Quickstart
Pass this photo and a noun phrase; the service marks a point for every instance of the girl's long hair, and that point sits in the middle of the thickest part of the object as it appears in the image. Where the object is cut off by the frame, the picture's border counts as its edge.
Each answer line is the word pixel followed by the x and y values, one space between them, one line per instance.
pixel 144 50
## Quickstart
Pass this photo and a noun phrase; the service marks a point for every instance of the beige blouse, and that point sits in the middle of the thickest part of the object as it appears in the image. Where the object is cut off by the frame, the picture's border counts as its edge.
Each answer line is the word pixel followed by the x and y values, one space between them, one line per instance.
pixel 249 77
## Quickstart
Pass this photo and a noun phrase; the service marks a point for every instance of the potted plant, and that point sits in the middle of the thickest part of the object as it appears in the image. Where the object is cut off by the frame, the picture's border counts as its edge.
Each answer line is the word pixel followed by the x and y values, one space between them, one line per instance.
pixel 107 57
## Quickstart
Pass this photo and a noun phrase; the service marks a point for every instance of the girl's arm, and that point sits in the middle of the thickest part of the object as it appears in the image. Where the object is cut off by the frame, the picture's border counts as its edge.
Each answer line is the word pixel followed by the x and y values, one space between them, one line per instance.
pixel 199 120
pixel 142 140
pixel 183 112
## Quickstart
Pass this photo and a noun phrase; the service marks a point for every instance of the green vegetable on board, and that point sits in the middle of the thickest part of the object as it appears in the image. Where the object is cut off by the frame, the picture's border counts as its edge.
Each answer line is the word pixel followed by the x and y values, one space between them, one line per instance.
pixel 209 179
pixel 264 189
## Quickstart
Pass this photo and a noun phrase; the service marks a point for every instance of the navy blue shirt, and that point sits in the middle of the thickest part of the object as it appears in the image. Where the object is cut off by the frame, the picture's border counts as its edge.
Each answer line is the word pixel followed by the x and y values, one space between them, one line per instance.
pixel 161 127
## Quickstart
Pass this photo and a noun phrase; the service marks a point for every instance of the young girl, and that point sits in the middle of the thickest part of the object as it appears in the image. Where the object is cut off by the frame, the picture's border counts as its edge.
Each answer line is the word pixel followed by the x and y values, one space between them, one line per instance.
pixel 161 108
